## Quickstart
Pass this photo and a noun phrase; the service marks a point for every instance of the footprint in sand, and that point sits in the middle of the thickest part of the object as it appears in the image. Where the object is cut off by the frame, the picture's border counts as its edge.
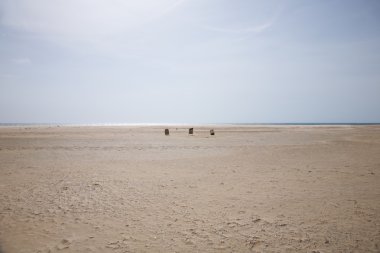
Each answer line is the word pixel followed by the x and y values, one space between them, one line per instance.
pixel 64 244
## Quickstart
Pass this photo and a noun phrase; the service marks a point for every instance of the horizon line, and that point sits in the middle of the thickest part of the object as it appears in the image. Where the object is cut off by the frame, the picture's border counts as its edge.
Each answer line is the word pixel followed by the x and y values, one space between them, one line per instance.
pixel 185 124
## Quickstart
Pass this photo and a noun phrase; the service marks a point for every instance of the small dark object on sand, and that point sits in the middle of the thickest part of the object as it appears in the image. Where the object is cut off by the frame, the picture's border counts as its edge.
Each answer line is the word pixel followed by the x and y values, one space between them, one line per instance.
pixel 191 130
pixel 212 132
pixel 166 131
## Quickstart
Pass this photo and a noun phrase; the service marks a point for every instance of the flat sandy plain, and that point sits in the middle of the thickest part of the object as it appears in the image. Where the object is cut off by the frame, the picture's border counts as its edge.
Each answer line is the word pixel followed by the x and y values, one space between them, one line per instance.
pixel 246 189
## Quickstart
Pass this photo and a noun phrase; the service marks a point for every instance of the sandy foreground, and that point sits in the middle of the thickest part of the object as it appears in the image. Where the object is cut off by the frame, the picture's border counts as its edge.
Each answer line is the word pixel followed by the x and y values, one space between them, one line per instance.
pixel 246 189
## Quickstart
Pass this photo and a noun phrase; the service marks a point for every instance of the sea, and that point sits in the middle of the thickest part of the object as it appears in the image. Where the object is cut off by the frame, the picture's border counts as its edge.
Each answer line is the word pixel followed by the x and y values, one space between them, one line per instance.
pixel 187 124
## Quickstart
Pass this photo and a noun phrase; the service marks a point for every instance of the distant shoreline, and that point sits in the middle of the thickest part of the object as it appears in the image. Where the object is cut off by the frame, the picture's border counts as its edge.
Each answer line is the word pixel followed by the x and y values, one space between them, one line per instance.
pixel 181 124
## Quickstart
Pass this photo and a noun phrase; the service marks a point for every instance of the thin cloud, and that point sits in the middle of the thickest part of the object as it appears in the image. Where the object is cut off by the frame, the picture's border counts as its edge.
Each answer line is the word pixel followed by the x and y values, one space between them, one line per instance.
pixel 254 29
pixel 82 19
pixel 21 61
pixel 171 8
pixel 7 76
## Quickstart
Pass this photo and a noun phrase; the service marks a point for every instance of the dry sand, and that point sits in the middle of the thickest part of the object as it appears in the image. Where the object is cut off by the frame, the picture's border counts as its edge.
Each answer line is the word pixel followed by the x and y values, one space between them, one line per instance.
pixel 246 189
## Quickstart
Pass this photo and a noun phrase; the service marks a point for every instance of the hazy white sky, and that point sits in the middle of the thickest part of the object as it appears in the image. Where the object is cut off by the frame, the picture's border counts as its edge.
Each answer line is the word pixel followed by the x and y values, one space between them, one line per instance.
pixel 189 61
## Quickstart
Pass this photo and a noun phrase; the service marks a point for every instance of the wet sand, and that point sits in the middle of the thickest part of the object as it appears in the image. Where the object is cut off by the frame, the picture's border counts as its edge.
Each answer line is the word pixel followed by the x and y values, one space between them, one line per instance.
pixel 246 189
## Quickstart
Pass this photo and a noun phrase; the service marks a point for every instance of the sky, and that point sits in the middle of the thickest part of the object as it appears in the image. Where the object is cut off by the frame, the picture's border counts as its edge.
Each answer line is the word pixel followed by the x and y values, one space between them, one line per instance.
pixel 189 61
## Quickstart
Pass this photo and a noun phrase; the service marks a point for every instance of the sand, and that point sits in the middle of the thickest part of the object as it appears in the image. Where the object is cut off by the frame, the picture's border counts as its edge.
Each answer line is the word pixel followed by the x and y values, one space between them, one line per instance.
pixel 246 189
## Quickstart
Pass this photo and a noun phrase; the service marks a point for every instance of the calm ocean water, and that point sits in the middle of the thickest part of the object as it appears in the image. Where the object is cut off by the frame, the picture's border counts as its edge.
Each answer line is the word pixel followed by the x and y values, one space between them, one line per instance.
pixel 184 124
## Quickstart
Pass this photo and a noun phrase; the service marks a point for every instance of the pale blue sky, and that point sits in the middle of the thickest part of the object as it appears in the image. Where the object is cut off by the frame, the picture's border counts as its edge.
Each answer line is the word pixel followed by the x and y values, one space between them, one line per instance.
pixel 189 61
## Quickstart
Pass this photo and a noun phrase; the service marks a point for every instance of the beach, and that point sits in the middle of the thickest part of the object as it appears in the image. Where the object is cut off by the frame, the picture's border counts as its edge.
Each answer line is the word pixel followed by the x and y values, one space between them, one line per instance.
pixel 245 189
